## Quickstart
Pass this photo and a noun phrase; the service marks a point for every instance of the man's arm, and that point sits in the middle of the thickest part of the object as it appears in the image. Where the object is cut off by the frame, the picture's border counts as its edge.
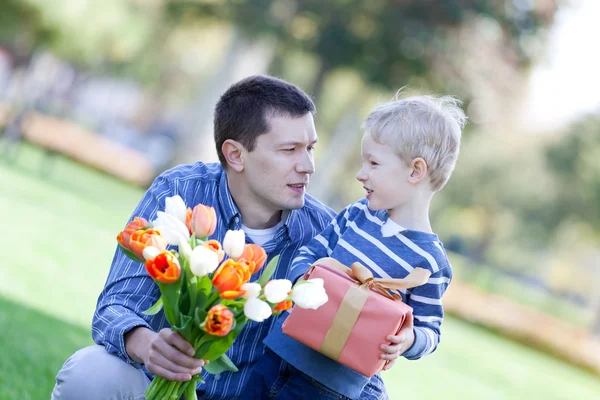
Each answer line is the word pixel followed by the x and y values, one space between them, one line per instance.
pixel 320 246
pixel 119 323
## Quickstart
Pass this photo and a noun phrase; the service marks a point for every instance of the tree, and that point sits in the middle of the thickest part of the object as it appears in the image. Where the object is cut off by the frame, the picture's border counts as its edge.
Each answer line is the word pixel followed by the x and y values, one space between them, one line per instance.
pixel 387 41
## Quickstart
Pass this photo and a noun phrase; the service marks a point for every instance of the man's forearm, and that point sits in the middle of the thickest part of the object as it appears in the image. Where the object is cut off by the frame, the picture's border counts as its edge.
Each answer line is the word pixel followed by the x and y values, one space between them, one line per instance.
pixel 137 341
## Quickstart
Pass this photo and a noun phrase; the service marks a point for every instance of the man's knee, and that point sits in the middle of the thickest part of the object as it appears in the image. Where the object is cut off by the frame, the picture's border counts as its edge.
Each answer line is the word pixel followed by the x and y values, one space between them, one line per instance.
pixel 93 373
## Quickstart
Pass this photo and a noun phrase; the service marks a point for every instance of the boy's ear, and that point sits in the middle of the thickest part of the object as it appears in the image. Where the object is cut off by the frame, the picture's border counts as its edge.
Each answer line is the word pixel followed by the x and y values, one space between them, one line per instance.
pixel 419 170
pixel 234 154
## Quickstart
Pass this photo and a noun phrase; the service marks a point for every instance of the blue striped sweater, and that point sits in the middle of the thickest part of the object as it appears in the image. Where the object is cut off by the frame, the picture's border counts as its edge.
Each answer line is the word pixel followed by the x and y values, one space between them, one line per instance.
pixel 356 235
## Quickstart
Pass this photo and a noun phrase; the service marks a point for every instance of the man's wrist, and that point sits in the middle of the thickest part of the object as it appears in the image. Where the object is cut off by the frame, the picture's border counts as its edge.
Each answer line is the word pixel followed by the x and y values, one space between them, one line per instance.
pixel 136 343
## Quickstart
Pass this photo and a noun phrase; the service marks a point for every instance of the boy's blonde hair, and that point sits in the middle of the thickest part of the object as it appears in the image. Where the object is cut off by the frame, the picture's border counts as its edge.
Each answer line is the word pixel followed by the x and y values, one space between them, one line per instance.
pixel 421 126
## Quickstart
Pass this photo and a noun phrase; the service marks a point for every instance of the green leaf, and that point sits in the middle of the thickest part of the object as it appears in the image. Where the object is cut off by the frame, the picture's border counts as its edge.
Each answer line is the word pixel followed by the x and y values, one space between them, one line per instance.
pixel 170 294
pixel 130 254
pixel 219 365
pixel 199 316
pixel 155 309
pixel 268 271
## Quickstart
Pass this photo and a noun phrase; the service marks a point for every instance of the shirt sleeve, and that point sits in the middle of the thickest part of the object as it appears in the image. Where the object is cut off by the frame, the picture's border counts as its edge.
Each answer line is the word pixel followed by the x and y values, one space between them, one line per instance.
pixel 428 312
pixel 320 246
pixel 129 290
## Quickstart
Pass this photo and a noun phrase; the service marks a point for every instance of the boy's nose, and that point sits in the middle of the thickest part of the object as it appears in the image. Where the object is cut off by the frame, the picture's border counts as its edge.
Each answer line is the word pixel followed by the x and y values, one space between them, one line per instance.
pixel 361 176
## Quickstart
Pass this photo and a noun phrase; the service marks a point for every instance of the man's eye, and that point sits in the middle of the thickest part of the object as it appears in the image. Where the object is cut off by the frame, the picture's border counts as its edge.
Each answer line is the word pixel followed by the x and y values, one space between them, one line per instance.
pixel 374 163
pixel 288 150
pixel 311 148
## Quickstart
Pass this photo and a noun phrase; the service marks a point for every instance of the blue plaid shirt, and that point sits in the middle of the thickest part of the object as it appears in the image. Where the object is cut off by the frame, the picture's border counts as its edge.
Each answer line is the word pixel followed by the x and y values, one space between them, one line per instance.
pixel 129 290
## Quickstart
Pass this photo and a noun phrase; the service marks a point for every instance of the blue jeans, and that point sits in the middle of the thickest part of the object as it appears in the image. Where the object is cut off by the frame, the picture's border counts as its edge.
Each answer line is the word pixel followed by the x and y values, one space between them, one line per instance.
pixel 274 378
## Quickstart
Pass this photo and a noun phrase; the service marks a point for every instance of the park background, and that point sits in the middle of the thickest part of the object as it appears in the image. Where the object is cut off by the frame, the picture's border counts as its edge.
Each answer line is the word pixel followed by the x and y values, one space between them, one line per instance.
pixel 98 98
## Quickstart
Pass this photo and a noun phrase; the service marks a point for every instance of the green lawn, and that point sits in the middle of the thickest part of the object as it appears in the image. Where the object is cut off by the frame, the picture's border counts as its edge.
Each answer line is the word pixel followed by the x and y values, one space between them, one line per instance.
pixel 57 243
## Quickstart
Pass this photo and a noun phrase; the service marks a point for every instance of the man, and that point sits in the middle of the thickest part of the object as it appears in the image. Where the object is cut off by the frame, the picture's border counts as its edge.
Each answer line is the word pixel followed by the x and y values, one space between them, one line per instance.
pixel 265 137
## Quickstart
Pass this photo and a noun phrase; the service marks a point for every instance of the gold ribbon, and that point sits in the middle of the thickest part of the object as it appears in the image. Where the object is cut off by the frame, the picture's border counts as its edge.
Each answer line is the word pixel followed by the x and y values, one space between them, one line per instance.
pixel 356 297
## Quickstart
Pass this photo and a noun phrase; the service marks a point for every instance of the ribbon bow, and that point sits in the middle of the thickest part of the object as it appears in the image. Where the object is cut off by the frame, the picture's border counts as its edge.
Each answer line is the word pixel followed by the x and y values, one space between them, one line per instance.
pixel 386 287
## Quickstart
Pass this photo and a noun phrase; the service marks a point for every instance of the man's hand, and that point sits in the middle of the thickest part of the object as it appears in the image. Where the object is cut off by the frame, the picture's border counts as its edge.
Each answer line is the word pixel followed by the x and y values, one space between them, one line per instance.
pixel 400 343
pixel 165 354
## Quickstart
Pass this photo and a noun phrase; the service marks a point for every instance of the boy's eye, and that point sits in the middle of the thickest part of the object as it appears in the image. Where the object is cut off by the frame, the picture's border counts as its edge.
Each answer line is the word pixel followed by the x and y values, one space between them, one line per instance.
pixel 311 148
pixel 288 150
pixel 374 163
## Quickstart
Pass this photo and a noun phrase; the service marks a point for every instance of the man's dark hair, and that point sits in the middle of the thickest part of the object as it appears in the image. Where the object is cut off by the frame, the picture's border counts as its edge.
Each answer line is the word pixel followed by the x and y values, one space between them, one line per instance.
pixel 243 110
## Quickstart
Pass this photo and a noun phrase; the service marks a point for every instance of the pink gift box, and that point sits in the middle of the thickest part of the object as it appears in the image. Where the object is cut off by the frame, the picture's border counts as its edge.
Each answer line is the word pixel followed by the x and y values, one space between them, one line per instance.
pixel 354 322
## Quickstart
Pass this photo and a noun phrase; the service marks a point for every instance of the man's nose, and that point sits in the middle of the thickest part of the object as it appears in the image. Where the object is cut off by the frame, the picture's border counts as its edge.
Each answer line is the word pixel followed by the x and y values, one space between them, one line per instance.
pixel 306 164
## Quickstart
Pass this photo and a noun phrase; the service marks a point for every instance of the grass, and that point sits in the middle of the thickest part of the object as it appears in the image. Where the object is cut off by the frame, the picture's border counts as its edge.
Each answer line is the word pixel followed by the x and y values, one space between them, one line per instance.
pixel 57 244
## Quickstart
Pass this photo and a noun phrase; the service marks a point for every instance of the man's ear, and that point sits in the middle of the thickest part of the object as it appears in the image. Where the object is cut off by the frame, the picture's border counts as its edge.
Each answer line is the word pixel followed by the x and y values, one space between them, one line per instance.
pixel 234 154
pixel 419 170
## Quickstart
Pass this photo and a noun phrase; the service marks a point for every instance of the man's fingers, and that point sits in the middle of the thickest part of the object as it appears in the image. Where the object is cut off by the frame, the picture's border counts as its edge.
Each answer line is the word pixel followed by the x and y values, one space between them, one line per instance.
pixel 175 339
pixel 164 373
pixel 175 356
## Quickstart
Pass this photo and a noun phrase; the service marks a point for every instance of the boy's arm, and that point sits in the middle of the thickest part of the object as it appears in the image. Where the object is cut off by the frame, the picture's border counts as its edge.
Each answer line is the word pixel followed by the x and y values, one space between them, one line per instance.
pixel 320 246
pixel 128 290
pixel 428 312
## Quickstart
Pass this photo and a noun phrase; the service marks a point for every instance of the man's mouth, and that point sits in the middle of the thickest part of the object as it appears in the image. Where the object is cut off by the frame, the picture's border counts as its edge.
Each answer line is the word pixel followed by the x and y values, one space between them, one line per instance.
pixel 297 187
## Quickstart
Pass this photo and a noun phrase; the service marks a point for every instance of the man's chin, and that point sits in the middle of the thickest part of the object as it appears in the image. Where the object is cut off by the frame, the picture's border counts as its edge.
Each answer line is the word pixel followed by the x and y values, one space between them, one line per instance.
pixel 294 204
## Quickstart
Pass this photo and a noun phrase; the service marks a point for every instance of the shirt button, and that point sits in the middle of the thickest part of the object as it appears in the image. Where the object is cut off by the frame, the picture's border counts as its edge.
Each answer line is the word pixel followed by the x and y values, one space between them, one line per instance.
pixel 217 377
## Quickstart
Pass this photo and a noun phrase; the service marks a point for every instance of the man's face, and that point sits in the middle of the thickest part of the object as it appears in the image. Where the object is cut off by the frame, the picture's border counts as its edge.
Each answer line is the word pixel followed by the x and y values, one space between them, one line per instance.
pixel 280 166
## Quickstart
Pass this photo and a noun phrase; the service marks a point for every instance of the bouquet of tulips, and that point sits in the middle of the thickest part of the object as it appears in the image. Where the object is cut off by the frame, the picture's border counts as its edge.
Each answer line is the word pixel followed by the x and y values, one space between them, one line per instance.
pixel 204 285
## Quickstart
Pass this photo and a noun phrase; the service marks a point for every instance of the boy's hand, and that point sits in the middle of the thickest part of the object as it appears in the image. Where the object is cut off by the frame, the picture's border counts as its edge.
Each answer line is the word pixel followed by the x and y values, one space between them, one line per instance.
pixel 401 342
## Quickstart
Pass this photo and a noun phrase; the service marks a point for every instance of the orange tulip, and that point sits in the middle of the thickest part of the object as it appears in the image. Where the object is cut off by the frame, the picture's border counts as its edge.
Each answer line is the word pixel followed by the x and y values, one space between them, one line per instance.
pixel 188 220
pixel 141 239
pixel 164 268
pixel 215 246
pixel 125 235
pixel 284 305
pixel 203 221
pixel 219 320
pixel 229 278
pixel 255 256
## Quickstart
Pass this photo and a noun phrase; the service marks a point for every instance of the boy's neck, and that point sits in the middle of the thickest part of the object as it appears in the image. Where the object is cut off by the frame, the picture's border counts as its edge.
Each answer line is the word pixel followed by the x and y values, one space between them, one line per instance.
pixel 413 215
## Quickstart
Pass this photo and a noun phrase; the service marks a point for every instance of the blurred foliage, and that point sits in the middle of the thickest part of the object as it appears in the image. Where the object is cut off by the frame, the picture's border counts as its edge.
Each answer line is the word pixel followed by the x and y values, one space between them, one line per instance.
pixel 387 41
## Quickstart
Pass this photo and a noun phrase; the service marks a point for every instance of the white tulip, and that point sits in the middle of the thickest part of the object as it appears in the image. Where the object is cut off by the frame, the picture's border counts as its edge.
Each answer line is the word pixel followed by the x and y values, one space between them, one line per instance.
pixel 150 253
pixel 277 290
pixel 310 294
pixel 234 242
pixel 175 206
pixel 172 229
pixel 251 290
pixel 257 310
pixel 203 261
pixel 185 250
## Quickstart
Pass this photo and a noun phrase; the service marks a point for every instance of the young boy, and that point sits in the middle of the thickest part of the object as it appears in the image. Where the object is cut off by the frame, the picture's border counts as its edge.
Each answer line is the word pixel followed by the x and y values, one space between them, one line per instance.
pixel 409 150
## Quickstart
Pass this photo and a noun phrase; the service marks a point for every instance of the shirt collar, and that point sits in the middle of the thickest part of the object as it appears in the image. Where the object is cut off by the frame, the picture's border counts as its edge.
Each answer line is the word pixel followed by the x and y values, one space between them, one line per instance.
pixel 231 214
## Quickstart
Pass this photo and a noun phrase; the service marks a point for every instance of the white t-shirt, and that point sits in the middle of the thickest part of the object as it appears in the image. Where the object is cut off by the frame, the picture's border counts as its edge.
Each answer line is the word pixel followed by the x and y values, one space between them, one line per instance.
pixel 262 236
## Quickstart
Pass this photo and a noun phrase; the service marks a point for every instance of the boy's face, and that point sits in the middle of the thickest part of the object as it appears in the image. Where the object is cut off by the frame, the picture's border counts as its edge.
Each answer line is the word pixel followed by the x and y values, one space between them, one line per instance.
pixel 278 169
pixel 384 176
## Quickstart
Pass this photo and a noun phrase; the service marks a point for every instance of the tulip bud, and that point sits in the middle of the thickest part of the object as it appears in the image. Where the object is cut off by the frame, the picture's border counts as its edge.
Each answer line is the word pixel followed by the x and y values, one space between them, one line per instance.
pixel 219 320
pixel 277 290
pixel 150 253
pixel 257 310
pixel 203 261
pixel 251 290
pixel 310 294
pixel 164 268
pixel 175 206
pixel 234 242
pixel 204 221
